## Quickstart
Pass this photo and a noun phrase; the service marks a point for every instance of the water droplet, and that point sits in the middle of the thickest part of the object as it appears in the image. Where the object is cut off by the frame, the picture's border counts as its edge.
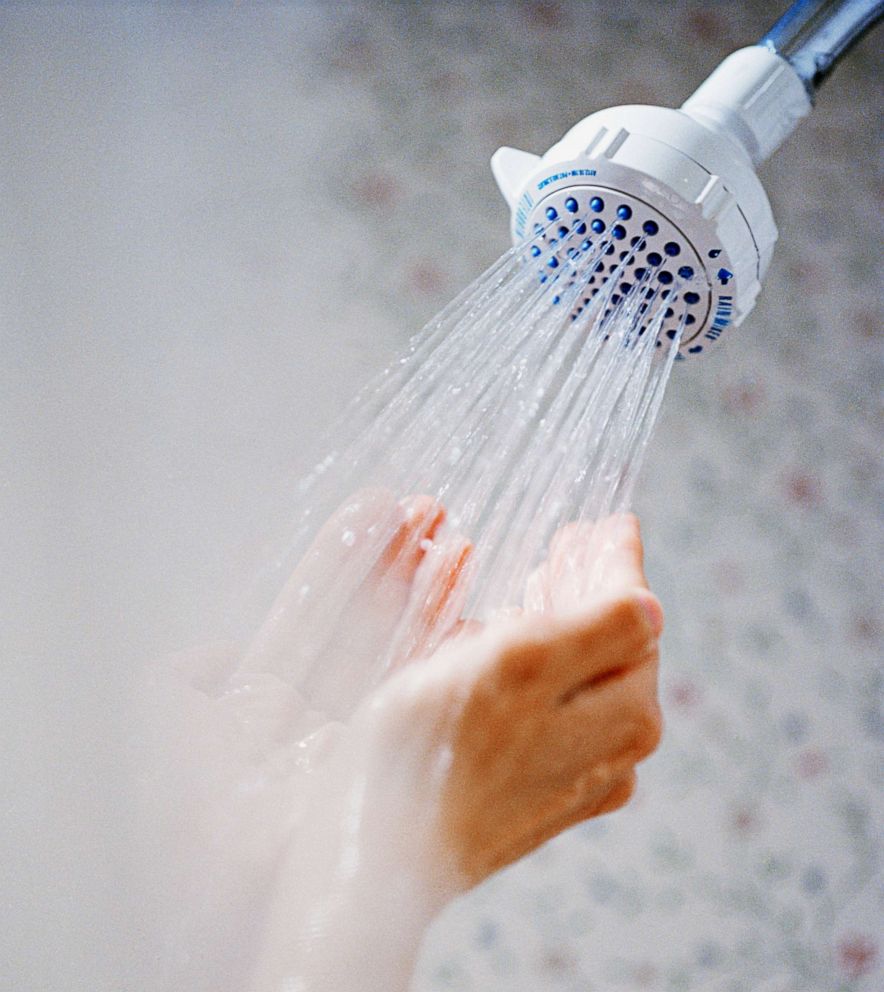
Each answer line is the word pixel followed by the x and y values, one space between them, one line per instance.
pixel 348 538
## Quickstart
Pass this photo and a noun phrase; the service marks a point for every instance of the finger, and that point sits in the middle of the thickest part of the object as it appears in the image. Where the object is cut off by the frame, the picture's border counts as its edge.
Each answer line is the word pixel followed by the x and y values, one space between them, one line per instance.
pixel 447 566
pixel 437 599
pixel 420 519
pixel 619 795
pixel 565 564
pixel 553 657
pixel 618 545
pixel 370 537
pixel 599 736
pixel 594 801
pixel 374 526
pixel 588 559
pixel 537 598
pixel 368 517
pixel 618 722
pixel 594 804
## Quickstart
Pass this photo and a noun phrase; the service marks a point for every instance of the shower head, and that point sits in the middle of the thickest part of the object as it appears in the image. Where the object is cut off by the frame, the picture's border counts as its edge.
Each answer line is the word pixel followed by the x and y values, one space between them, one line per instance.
pixel 677 188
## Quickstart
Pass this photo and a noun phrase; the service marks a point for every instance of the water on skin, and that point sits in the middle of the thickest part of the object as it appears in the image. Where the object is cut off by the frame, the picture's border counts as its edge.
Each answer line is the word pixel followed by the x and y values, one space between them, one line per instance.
pixel 516 416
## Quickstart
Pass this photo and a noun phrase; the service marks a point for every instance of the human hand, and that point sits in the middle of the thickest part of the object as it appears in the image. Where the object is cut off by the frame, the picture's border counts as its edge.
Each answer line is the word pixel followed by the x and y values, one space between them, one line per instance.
pixel 456 765
pixel 543 717
pixel 245 756
pixel 467 760
pixel 377 587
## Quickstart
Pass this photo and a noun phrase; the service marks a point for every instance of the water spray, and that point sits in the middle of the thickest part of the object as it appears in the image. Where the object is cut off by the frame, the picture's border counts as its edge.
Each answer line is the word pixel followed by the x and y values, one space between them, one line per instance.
pixel 678 188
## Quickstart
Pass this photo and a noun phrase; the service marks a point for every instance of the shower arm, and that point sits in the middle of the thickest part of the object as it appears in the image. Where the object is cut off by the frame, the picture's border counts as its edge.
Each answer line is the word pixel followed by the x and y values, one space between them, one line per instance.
pixel 813 35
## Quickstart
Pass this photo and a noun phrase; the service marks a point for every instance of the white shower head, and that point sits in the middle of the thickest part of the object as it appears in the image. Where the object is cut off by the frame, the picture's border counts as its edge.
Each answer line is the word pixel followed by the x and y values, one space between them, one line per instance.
pixel 675 190
pixel 677 187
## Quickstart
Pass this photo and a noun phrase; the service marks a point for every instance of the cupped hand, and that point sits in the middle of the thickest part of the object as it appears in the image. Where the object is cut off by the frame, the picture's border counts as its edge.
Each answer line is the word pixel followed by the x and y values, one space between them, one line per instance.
pixel 342 747
pixel 541 718
pixel 377 585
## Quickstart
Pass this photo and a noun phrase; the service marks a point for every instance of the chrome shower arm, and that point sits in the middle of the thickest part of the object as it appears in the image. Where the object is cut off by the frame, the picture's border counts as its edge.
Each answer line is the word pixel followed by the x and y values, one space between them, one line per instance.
pixel 813 35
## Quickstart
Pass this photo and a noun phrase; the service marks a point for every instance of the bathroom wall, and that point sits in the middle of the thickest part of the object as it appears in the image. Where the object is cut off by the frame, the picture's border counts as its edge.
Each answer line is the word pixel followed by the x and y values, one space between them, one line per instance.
pixel 217 221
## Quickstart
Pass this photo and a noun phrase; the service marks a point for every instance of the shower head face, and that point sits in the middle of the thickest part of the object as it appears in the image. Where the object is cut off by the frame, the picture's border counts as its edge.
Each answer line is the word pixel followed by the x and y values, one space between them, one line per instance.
pixel 622 238
pixel 709 234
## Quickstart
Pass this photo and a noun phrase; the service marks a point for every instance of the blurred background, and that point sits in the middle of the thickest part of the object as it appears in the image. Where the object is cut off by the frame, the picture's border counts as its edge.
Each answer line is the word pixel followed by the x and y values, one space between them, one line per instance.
pixel 218 220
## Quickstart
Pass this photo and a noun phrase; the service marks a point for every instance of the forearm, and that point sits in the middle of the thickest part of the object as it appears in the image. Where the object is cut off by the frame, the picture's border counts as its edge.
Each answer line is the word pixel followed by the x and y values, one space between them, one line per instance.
pixel 360 936
pixel 353 896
